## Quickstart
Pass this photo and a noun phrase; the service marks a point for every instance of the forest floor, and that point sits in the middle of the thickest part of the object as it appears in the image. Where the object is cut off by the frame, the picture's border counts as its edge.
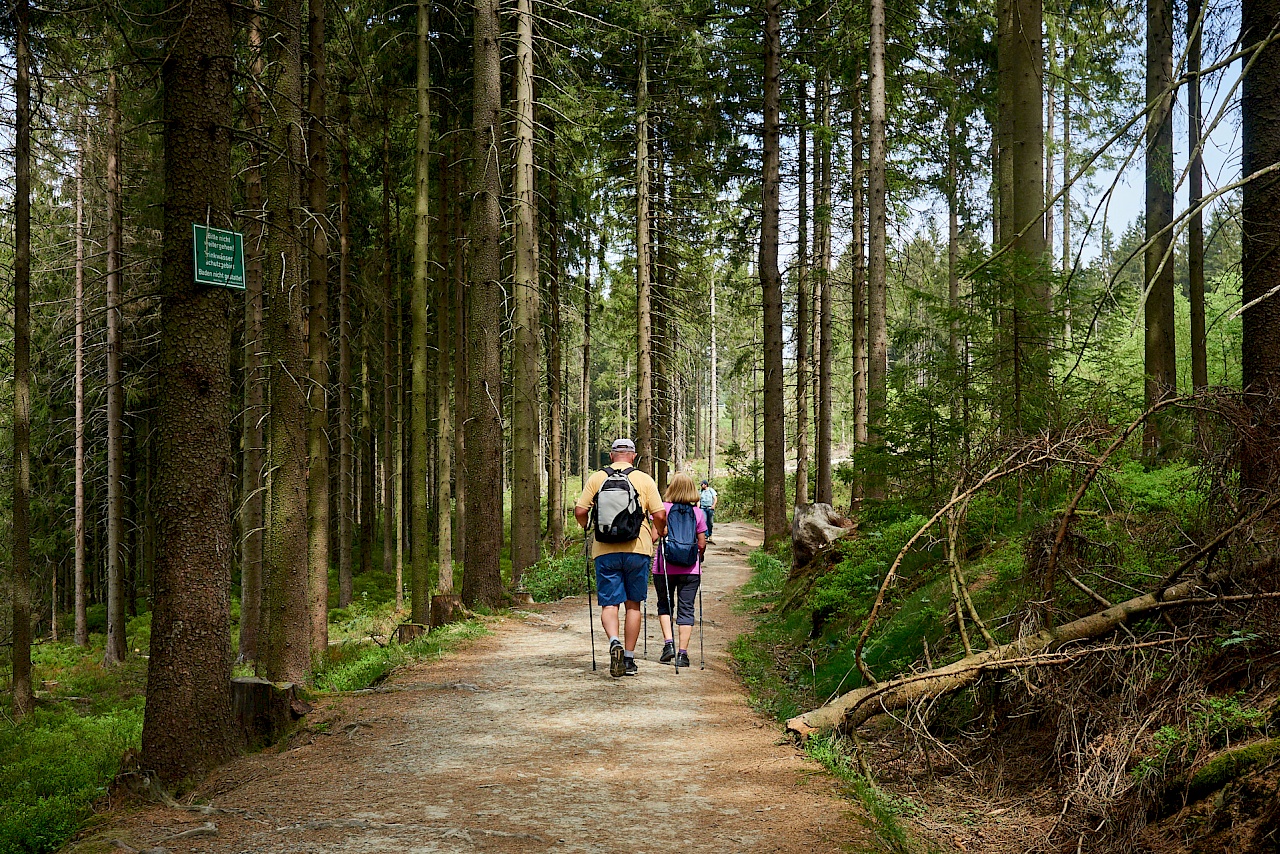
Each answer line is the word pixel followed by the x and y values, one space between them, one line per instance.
pixel 515 744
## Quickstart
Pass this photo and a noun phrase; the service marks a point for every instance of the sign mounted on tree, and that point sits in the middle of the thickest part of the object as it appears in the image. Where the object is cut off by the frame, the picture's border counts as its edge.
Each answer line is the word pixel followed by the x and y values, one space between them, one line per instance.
pixel 219 256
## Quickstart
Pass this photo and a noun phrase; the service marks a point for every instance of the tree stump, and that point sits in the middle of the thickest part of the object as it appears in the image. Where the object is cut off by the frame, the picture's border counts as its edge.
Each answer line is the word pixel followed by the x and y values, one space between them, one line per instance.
pixel 408 632
pixel 446 609
pixel 265 710
pixel 523 597
pixel 813 528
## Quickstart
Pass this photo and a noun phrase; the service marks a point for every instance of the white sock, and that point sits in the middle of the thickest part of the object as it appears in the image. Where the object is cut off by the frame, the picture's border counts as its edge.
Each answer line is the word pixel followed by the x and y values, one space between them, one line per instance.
pixel 628 653
pixel 613 640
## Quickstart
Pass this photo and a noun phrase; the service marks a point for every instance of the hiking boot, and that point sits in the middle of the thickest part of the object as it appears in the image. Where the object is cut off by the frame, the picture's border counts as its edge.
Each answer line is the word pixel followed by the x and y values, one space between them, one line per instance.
pixel 617 661
pixel 668 652
pixel 631 669
pixel 682 659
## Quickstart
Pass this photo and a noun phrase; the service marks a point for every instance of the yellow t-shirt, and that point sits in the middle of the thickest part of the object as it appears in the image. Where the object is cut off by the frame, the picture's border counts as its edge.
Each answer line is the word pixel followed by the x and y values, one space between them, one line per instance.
pixel 650 502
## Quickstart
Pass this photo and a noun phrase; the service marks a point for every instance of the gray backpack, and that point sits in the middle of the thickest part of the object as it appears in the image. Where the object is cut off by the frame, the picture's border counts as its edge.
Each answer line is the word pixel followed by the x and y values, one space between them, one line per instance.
pixel 617 508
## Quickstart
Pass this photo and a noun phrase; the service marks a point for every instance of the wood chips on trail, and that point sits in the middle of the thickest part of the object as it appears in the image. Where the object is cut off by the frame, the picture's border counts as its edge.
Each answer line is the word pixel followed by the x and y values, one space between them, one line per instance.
pixel 514 744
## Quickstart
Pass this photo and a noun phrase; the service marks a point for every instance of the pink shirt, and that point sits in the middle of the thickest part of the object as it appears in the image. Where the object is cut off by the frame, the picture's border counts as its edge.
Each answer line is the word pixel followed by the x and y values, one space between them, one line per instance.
pixel 659 560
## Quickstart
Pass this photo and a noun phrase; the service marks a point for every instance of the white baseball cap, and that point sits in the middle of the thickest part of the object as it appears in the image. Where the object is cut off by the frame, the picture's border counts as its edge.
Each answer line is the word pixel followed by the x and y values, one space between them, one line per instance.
pixel 623 445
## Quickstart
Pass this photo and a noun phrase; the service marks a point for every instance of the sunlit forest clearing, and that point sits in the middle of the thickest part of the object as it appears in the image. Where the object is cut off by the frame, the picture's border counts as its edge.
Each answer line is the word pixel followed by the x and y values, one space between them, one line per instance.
pixel 322 320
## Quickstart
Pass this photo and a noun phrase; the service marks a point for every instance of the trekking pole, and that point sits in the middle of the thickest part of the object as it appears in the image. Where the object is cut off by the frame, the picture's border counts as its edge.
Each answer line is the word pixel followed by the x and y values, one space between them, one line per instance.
pixel 591 617
pixel 702 649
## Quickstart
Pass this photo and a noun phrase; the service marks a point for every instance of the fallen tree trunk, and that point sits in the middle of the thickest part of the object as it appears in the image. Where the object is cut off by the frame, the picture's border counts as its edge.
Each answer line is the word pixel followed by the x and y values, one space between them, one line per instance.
pixel 860 705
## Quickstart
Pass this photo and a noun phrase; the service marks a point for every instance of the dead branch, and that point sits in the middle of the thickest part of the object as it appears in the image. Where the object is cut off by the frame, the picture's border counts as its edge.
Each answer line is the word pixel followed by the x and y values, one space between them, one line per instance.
pixel 862 704
pixel 1000 471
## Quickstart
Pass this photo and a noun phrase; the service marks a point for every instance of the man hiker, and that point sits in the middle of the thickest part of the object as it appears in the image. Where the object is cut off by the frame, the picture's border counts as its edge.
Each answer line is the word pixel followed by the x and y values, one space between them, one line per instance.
pixel 707 500
pixel 626 510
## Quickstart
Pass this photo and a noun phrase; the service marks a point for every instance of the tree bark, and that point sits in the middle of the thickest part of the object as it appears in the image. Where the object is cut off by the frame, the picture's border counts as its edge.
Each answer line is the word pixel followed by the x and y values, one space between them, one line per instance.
pixel 23 696
pixel 1195 185
pixel 555 391
pixel 461 353
pixel 116 648
pixel 877 329
pixel 419 518
pixel 584 398
pixel 252 515
pixel 1160 360
pixel 526 385
pixel 286 600
pixel 346 445
pixel 1260 238
pixel 826 344
pixel 858 332
pixel 482 581
pixel 775 473
pixel 713 401
pixel 318 334
pixel 390 376
pixel 644 272
pixel 81 615
pixel 803 301
pixel 187 727
pixel 366 505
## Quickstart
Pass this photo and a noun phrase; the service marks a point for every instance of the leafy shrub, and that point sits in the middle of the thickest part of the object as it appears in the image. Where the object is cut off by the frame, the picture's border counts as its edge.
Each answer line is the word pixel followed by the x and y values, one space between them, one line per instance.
pixel 768 573
pixel 853 583
pixel 554 578
pixel 742 493
pixel 52 767
pixel 1170 487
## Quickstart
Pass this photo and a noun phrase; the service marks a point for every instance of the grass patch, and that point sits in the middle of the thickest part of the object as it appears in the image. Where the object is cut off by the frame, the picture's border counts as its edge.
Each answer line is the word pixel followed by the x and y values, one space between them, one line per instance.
pixel 353 666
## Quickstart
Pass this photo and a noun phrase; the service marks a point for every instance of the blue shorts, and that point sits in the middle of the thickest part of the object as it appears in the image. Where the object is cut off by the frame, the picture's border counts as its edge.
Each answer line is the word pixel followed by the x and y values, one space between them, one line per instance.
pixel 622 576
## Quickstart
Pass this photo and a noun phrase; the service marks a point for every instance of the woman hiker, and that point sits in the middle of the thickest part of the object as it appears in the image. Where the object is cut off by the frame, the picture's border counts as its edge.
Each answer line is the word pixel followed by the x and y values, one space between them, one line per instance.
pixel 675 581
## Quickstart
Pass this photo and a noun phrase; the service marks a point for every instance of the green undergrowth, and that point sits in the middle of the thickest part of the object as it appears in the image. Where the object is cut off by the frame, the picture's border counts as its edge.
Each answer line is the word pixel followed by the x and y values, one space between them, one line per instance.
pixel 554 578
pixel 353 666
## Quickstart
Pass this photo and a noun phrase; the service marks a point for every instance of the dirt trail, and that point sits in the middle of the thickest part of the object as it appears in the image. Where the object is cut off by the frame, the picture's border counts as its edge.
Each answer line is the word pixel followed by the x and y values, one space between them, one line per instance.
pixel 514 744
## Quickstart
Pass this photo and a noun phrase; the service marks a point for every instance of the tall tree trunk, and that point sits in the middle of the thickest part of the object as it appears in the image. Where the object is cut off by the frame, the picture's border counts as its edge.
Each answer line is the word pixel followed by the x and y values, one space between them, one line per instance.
pixel 346 445
pixel 286 605
pixel 1160 360
pixel 1260 212
pixel 584 398
pixel 253 501
pixel 661 314
pixel 318 334
pixel 81 614
pixel 803 300
pixel 419 519
pixel 461 351
pixel 1195 184
pixel 527 318
pixel 775 473
pixel 858 332
pixel 367 507
pixel 187 727
pixel 826 344
pixel 644 271
pixel 555 391
pixel 23 697
pixel 1021 120
pixel 877 330
pixel 482 581
pixel 1067 83
pixel 390 376
pixel 953 245
pixel 116 647
pixel 713 402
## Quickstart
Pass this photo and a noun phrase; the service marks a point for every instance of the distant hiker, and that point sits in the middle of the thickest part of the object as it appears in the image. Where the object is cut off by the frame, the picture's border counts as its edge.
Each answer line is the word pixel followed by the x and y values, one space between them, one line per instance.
pixel 677 569
pixel 707 500
pixel 626 510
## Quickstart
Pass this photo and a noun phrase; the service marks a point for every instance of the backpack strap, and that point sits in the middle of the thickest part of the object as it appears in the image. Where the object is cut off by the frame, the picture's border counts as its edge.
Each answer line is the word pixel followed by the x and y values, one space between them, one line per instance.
pixel 609 470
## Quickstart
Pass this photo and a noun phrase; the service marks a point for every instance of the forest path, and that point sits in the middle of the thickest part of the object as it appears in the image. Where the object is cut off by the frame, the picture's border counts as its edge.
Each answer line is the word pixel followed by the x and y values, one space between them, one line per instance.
pixel 515 745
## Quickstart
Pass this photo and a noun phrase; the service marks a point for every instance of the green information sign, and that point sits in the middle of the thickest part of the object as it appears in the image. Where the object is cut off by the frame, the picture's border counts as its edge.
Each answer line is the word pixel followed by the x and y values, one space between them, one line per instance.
pixel 219 256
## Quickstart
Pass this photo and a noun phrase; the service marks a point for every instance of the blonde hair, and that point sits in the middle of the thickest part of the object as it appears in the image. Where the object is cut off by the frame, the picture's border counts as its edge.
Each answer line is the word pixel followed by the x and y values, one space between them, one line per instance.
pixel 681 490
